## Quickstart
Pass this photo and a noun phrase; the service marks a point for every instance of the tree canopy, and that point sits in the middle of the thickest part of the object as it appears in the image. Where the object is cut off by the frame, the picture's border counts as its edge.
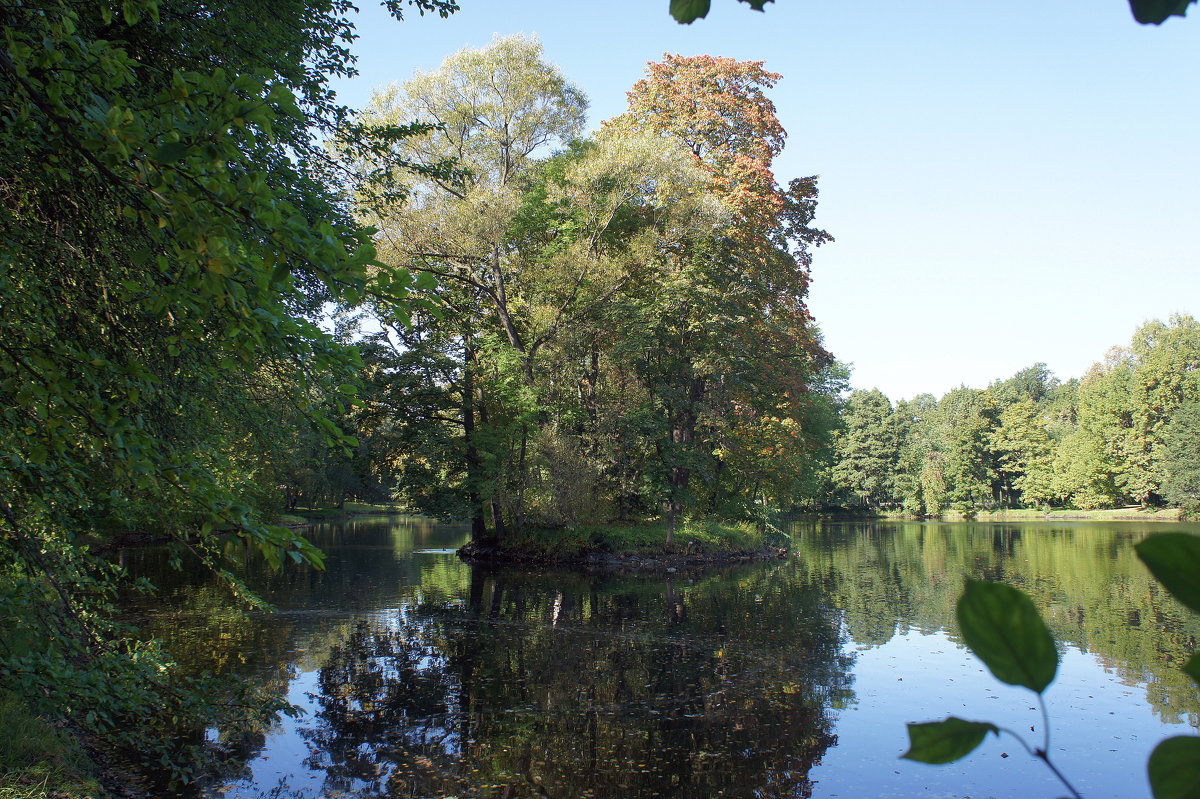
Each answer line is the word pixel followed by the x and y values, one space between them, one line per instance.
pixel 173 229
pixel 1121 435
pixel 618 311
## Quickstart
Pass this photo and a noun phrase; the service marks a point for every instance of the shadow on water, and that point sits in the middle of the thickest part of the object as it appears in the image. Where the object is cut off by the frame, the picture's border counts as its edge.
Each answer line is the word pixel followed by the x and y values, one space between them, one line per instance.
pixel 558 686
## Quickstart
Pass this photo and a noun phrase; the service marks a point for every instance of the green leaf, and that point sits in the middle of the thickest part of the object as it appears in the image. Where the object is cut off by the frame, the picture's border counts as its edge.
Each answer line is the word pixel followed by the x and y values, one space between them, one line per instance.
pixel 1192 668
pixel 758 5
pixel 1174 768
pixel 688 11
pixel 938 742
pixel 1155 12
pixel 170 152
pixel 1003 628
pixel 131 12
pixel 1174 559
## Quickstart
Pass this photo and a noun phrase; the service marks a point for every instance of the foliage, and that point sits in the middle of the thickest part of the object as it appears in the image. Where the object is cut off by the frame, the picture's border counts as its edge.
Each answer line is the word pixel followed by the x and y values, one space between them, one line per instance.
pixel 619 313
pixel 1180 458
pixel 1122 435
pixel 729 339
pixel 938 742
pixel 1144 11
pixel 1001 626
pixel 1156 12
pixel 695 537
pixel 867 449
pixel 172 231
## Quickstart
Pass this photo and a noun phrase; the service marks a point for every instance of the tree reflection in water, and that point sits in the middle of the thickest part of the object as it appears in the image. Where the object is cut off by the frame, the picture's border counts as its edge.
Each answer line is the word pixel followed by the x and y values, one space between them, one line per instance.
pixel 563 687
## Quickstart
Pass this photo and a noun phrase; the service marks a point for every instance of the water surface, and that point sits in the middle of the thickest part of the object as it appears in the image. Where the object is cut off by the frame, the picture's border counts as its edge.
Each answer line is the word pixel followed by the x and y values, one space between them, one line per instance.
pixel 421 676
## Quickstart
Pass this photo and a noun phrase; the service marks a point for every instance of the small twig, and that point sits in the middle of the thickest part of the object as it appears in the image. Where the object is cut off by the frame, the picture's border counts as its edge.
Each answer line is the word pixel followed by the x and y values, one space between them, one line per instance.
pixel 1043 756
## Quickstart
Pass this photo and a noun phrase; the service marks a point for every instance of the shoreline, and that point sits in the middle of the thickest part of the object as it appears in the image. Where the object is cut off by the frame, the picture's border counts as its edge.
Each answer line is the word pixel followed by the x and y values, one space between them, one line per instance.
pixel 490 553
pixel 1131 514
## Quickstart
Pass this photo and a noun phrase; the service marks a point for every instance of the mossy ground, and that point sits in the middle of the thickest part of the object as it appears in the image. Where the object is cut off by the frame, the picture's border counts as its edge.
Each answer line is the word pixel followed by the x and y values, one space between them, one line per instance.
pixel 38 760
pixel 298 516
pixel 692 538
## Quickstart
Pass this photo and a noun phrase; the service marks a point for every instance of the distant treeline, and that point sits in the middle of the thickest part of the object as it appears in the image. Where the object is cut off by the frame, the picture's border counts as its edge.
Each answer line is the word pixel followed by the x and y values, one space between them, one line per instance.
pixel 1126 433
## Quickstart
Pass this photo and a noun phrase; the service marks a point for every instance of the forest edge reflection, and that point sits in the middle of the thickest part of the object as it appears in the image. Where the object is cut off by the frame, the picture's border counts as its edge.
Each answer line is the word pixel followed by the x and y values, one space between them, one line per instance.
pixel 438 678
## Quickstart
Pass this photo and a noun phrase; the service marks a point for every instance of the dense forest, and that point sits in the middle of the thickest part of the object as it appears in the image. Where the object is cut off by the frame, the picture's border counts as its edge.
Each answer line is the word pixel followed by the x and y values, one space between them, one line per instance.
pixel 1123 434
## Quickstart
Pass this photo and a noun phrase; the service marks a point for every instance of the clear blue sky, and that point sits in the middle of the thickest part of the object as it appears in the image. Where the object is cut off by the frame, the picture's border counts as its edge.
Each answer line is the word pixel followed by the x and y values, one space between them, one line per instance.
pixel 1007 182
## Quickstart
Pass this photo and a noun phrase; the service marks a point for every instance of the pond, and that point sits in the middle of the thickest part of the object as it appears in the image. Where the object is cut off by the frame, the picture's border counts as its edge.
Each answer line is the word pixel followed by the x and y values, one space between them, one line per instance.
pixel 420 676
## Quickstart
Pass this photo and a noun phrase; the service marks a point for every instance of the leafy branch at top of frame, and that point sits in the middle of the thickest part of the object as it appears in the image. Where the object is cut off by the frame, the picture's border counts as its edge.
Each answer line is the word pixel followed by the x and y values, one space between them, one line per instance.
pixel 1147 12
pixel 1001 626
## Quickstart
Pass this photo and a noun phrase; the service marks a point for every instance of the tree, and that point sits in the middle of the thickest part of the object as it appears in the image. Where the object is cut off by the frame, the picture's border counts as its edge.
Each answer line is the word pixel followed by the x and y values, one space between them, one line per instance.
pixel 1035 383
pixel 493 111
pixel 727 336
pixel 172 230
pixel 919 459
pixel 532 249
pixel 867 449
pixel 1125 402
pixel 1024 452
pixel 1180 458
pixel 965 419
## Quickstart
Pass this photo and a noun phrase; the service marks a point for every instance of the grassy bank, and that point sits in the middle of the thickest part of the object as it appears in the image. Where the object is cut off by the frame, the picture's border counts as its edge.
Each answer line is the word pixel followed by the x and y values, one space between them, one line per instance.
pixel 1130 514
pixel 692 538
pixel 38 760
pixel 301 516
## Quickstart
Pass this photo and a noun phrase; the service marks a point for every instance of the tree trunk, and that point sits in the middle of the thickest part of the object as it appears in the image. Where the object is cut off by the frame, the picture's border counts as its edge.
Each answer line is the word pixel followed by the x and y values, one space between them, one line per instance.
pixel 474 465
pixel 519 516
pixel 683 435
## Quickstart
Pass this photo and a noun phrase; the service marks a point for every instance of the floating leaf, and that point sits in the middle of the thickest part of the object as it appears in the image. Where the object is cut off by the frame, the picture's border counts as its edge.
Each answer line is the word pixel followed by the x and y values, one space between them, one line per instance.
pixel 1174 768
pixel 938 742
pixel 1174 559
pixel 1004 630
pixel 1155 12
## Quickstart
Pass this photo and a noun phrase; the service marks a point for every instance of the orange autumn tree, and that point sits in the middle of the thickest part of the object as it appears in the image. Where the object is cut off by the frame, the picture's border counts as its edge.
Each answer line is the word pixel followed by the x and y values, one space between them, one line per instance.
pixel 730 348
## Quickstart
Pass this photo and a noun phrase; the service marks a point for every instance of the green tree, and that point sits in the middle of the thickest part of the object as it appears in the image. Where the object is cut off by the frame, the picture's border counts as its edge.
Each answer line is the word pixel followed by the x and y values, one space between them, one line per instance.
pixel 1024 451
pixel 1125 402
pixel 867 448
pixel 965 420
pixel 917 451
pixel 172 231
pixel 493 112
pixel 1180 458
pixel 533 250
pixel 727 336
pixel 1166 375
pixel 1035 383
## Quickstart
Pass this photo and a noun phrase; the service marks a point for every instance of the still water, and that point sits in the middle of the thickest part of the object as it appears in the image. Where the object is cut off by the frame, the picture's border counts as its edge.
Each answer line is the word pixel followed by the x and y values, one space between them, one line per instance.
pixel 420 676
